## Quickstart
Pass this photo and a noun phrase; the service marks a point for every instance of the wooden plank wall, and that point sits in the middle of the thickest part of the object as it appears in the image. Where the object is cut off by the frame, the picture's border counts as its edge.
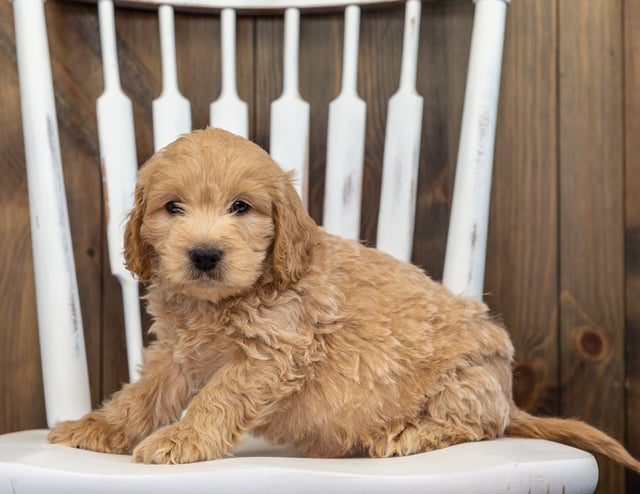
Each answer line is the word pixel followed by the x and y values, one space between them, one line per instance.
pixel 592 216
pixel 564 249
pixel 631 192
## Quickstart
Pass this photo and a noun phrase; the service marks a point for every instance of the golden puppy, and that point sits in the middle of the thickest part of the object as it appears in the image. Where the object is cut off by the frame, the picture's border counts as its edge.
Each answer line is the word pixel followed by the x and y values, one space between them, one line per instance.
pixel 266 323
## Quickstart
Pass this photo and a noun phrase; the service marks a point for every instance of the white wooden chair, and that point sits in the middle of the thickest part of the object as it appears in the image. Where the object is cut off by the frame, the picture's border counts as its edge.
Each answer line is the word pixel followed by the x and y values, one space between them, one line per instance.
pixel 29 464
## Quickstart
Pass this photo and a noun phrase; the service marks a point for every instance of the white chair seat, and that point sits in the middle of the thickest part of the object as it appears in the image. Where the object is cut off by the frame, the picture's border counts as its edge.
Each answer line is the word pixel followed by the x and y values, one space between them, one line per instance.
pixel 29 464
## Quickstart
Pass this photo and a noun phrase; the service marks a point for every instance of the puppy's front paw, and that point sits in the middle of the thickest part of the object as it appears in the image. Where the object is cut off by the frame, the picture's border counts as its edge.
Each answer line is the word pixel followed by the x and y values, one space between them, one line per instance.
pixel 91 432
pixel 175 444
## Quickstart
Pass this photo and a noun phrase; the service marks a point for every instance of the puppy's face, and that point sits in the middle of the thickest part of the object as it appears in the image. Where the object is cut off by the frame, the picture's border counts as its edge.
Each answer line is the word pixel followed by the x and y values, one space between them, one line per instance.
pixel 211 235
pixel 211 212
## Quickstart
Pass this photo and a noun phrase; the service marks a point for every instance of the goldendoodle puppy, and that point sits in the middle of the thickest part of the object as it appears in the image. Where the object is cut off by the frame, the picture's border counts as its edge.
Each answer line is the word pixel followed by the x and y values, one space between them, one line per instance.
pixel 266 323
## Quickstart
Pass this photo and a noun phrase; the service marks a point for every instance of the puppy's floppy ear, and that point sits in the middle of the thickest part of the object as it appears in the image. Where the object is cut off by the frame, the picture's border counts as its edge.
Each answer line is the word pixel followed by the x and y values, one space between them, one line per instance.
pixel 295 232
pixel 137 254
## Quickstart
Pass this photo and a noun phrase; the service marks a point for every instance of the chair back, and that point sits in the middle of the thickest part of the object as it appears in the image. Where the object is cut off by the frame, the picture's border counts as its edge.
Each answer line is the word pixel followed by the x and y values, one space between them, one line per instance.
pixel 61 335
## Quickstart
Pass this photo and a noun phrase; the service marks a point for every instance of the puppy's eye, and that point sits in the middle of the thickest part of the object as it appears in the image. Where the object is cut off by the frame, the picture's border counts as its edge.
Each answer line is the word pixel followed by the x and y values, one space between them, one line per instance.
pixel 239 207
pixel 173 208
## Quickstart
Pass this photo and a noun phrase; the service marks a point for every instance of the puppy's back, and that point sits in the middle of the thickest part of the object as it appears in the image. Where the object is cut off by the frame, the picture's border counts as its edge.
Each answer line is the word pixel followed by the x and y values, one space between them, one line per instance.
pixel 389 340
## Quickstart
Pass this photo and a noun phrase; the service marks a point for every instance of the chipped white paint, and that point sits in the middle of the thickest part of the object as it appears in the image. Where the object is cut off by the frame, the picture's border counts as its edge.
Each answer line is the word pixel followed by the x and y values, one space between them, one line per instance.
pixel 62 351
pixel 345 141
pixel 467 239
pixel 119 167
pixel 402 149
pixel 289 127
pixel 229 112
pixel 171 110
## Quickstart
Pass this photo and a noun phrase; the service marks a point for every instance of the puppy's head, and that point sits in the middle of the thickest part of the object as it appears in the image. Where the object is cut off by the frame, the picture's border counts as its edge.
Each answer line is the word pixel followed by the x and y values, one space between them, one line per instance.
pixel 214 215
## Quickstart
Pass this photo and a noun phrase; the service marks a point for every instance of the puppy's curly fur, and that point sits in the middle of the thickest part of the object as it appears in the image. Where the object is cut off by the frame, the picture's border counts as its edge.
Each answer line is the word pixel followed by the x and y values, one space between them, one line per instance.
pixel 266 323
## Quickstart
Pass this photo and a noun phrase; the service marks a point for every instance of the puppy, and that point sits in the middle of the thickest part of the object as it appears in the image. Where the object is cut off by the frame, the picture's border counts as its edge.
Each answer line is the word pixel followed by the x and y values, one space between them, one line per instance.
pixel 266 323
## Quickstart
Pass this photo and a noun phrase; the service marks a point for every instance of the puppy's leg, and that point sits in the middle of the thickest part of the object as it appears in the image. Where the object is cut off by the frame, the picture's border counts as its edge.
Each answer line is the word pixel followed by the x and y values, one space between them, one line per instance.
pixel 240 396
pixel 473 405
pixel 134 412
pixel 419 437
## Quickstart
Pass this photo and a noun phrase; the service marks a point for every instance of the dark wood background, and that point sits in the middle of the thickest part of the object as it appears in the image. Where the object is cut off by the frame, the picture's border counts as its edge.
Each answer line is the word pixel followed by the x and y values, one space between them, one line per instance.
pixel 563 266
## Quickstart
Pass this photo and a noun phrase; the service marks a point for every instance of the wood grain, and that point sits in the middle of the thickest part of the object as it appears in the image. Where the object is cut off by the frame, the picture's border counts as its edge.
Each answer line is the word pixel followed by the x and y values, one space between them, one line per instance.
pixel 378 78
pixel 321 60
pixel 632 227
pixel 522 251
pixel 445 35
pixel 21 389
pixel 591 219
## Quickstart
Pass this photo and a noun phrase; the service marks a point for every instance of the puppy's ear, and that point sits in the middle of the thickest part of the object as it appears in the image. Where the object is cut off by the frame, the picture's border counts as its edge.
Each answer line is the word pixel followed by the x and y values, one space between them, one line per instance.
pixel 137 254
pixel 295 232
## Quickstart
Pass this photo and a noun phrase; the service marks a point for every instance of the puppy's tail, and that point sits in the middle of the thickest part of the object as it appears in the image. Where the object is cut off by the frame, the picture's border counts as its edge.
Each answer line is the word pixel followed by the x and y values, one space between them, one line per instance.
pixel 571 432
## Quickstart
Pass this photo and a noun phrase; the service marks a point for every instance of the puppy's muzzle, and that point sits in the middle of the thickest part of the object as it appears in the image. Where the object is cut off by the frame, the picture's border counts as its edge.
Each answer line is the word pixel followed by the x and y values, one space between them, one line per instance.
pixel 204 257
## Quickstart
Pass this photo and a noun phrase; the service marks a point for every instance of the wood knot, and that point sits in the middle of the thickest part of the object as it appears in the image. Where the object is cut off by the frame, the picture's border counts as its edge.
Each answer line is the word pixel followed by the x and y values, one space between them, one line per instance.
pixel 441 187
pixel 524 386
pixel 591 344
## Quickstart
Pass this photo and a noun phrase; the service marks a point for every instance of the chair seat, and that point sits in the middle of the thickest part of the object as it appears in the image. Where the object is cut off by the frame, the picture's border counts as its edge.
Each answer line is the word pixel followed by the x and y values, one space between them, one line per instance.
pixel 29 464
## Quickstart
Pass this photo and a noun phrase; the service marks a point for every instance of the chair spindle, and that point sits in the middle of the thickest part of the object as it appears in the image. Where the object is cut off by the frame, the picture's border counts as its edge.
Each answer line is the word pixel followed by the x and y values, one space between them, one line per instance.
pixel 62 351
pixel 467 237
pixel 402 149
pixel 229 111
pixel 289 121
pixel 118 158
pixel 171 110
pixel 345 141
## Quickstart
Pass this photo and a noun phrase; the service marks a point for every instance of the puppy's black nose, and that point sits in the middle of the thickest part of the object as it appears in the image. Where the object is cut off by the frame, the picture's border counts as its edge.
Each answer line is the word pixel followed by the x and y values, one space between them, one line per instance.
pixel 205 258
